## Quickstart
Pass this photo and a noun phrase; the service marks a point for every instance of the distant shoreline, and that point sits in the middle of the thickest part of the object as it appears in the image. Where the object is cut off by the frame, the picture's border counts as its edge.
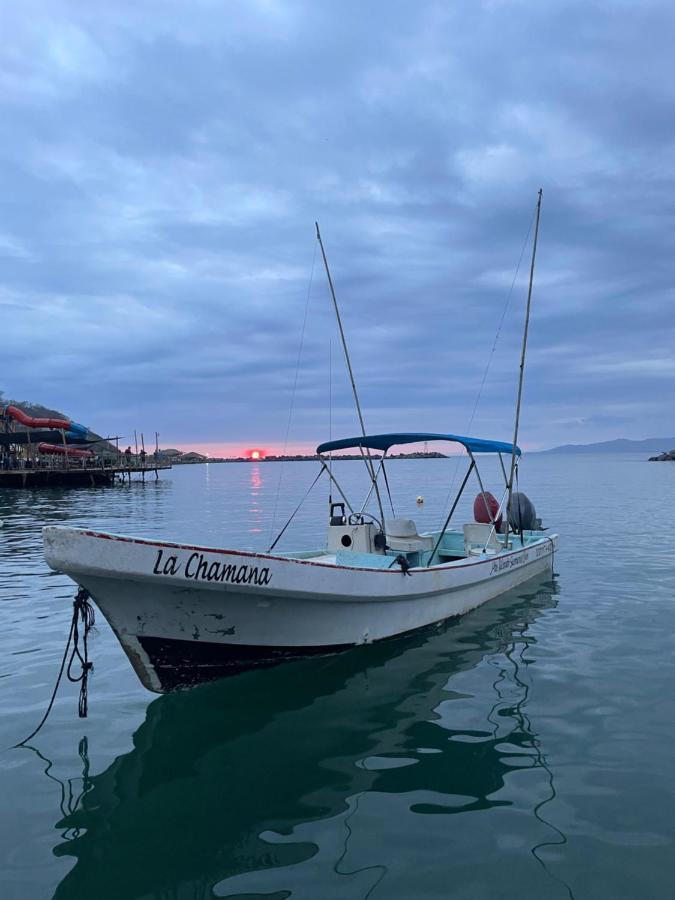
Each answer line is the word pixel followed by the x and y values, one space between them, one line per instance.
pixel 619 445
pixel 300 458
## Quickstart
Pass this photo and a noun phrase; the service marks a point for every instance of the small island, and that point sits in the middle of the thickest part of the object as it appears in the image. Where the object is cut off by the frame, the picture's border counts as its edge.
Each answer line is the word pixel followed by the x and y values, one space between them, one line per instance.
pixel 666 456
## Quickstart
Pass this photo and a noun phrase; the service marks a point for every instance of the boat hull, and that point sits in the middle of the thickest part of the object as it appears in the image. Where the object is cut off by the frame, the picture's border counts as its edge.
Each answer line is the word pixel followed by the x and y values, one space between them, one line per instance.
pixel 185 614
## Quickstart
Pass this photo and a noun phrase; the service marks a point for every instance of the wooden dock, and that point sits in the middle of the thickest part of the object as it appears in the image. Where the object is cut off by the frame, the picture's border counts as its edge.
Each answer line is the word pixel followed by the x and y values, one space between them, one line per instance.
pixel 75 475
pixel 54 451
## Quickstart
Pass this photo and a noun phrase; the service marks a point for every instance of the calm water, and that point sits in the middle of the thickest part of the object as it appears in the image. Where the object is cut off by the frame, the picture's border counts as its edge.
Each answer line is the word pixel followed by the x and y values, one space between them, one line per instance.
pixel 524 752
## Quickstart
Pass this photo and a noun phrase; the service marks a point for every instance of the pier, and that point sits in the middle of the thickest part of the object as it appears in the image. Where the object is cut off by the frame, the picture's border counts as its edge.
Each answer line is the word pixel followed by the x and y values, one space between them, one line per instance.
pixel 47 451
pixel 80 473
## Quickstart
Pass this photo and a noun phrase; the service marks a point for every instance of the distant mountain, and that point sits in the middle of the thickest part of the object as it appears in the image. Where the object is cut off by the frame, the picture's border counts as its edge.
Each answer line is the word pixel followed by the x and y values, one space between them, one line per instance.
pixel 620 445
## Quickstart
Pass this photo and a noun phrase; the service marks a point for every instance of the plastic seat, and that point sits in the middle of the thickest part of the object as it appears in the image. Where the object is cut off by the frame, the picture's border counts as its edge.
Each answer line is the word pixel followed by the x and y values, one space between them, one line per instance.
pixel 479 536
pixel 402 535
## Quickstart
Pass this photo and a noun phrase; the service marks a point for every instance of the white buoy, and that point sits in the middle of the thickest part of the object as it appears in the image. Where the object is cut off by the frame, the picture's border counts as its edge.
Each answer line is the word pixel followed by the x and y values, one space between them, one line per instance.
pixel 420 500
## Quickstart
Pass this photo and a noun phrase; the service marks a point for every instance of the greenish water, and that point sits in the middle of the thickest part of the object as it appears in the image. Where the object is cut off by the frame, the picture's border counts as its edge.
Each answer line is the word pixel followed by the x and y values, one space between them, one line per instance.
pixel 522 752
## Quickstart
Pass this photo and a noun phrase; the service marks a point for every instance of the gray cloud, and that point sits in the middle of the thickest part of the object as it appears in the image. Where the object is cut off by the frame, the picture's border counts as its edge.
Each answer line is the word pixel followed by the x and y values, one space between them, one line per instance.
pixel 162 167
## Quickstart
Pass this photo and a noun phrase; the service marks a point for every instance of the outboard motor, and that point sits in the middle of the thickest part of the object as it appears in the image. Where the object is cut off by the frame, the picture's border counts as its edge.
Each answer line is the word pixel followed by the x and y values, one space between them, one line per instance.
pixel 523 515
pixel 484 502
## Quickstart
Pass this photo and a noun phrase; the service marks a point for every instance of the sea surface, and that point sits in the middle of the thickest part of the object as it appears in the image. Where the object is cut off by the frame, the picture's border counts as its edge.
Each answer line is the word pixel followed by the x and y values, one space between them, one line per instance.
pixel 523 751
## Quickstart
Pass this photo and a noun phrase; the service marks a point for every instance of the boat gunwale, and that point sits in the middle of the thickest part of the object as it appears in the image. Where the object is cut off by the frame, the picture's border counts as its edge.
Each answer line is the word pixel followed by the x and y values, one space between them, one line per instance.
pixel 449 566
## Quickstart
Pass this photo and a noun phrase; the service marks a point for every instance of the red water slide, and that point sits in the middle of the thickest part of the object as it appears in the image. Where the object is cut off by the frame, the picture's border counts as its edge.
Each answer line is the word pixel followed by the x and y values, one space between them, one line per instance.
pixel 31 422
pixel 55 450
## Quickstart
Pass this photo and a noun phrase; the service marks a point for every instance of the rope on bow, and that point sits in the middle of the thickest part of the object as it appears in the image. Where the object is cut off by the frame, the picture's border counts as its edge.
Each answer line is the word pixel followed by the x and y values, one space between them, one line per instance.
pixel 403 563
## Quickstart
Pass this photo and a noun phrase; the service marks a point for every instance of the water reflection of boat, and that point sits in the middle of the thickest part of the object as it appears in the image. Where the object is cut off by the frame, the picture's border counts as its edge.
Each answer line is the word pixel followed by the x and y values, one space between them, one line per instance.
pixel 215 768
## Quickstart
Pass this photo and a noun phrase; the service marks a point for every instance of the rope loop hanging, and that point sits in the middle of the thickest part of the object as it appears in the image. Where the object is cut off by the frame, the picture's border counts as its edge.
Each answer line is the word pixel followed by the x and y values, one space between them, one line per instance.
pixel 83 613
pixel 82 610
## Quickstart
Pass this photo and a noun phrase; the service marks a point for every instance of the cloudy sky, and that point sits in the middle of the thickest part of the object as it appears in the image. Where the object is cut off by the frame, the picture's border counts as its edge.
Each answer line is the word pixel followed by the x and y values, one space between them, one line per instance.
pixel 162 165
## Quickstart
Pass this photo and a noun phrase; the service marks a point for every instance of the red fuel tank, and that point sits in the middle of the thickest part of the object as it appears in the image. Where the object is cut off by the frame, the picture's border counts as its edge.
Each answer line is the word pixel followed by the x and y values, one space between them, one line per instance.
pixel 481 504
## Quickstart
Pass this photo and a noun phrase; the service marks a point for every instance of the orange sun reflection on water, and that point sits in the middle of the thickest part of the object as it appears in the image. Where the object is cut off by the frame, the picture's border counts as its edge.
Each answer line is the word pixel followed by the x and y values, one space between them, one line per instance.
pixel 255 509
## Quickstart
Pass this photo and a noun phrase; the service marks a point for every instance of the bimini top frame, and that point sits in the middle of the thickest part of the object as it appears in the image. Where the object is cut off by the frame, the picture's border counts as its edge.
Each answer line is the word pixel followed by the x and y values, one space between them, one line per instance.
pixel 385 441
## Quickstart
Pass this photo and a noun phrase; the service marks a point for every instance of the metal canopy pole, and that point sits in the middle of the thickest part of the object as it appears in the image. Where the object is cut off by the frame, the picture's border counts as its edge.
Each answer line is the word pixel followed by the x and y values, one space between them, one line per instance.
pixel 334 481
pixel 369 464
pixel 454 506
pixel 493 530
pixel 386 482
pixel 522 367
pixel 506 477
pixel 483 492
pixel 369 494
pixel 293 514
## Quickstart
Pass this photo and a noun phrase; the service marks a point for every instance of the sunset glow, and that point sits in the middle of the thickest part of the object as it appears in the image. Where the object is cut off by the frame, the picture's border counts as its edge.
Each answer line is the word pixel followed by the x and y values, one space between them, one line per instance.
pixel 237 450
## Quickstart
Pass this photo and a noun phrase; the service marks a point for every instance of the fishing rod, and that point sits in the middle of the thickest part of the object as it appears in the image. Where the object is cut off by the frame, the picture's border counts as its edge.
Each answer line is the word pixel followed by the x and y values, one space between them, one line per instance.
pixel 522 369
pixel 368 459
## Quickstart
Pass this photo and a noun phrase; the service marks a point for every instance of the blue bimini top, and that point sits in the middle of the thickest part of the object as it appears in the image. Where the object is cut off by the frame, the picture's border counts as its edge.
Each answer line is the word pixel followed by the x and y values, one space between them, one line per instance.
pixel 385 441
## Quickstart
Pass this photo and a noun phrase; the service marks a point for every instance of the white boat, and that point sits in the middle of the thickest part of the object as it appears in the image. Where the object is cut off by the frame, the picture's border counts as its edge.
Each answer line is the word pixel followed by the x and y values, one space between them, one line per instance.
pixel 187 613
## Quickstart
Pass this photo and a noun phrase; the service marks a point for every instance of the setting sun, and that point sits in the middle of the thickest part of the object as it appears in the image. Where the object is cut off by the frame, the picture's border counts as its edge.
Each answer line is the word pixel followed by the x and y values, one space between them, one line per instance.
pixel 255 454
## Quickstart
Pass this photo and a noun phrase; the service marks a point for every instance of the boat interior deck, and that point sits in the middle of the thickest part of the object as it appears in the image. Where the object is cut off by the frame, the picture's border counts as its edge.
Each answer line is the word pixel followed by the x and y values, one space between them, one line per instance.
pixel 475 540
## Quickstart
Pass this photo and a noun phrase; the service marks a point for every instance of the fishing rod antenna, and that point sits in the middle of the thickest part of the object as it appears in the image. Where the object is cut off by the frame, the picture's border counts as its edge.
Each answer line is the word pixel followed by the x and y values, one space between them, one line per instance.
pixel 368 458
pixel 522 367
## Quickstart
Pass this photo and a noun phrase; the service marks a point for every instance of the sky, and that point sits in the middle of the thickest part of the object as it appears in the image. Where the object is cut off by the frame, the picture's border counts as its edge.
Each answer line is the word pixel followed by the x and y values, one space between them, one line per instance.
pixel 163 164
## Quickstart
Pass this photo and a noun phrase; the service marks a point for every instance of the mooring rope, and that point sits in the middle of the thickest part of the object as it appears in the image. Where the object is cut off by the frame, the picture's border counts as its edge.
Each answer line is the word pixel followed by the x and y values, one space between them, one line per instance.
pixel 84 611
